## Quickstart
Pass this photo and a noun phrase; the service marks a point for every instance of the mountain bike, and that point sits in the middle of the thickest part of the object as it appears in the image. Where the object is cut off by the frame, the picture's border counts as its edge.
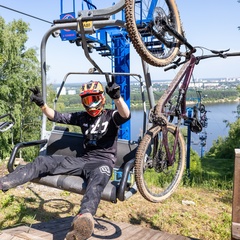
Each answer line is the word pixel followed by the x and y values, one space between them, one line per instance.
pixel 161 154
pixel 155 30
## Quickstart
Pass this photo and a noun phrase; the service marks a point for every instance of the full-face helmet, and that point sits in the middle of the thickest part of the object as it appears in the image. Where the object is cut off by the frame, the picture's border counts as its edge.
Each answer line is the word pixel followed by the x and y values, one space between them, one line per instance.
pixel 92 96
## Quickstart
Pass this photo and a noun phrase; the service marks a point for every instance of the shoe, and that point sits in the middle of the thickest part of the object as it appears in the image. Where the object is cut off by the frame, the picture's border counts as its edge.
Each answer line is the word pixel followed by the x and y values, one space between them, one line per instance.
pixel 1 188
pixel 82 227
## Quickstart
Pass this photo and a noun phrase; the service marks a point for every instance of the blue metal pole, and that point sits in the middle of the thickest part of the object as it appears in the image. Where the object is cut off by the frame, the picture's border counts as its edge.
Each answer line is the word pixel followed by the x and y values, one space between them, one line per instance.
pixel 189 111
pixel 122 64
pixel 188 149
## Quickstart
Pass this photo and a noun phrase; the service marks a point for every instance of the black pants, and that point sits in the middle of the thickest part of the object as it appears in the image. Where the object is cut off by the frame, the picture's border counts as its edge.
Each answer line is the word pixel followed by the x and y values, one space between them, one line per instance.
pixel 96 172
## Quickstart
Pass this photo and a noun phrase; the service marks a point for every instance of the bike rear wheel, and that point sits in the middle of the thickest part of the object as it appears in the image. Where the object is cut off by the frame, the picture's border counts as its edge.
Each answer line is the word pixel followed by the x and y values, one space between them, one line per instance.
pixel 149 37
pixel 155 180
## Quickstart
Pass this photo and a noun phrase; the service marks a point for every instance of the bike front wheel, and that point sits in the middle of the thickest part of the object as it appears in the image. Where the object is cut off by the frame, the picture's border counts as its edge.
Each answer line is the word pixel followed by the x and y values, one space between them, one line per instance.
pixel 148 35
pixel 155 178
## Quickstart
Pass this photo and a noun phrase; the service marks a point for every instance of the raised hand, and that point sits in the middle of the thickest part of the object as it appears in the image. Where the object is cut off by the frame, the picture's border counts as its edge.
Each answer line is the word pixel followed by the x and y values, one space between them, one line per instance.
pixel 113 90
pixel 36 96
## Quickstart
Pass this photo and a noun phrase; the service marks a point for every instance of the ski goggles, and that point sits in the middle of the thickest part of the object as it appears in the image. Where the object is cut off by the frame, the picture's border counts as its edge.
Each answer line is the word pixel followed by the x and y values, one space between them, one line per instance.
pixel 92 101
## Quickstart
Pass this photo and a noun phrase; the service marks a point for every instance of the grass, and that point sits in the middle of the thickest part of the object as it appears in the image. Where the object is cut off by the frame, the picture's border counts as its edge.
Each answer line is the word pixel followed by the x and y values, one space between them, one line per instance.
pixel 209 190
pixel 213 174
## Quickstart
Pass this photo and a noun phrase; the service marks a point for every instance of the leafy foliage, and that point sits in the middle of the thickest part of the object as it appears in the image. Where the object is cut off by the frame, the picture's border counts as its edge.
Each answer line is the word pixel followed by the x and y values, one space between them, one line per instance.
pixel 225 147
pixel 19 70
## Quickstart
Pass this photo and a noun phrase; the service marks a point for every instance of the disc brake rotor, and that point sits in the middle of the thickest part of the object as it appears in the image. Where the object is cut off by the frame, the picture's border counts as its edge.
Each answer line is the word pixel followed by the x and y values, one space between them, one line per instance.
pixel 159 15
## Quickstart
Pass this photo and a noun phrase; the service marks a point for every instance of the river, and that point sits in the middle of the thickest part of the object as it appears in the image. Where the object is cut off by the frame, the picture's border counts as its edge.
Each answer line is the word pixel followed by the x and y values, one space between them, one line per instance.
pixel 217 114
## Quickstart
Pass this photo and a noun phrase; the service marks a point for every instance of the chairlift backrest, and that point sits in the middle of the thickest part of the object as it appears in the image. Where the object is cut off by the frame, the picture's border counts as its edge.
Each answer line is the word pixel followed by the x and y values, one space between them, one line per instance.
pixel 71 144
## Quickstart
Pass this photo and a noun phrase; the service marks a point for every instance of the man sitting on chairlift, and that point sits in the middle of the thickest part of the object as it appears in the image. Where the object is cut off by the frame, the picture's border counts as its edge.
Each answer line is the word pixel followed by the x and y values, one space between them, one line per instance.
pixel 100 129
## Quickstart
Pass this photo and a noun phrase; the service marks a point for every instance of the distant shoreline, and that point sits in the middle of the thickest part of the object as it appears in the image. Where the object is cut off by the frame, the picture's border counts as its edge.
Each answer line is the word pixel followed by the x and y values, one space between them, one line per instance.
pixel 216 101
pixel 139 106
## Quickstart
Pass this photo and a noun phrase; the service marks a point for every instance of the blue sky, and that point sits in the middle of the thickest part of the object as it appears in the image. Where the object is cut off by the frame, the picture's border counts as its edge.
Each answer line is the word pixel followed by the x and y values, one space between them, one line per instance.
pixel 209 23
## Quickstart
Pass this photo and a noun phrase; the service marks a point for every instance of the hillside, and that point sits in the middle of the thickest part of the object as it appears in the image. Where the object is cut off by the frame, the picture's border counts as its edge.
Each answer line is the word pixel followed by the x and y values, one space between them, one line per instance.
pixel 197 212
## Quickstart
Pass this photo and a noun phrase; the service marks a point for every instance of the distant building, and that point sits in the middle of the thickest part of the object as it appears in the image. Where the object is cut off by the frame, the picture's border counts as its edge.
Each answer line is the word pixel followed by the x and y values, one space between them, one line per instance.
pixel 211 84
pixel 72 92
pixel 196 85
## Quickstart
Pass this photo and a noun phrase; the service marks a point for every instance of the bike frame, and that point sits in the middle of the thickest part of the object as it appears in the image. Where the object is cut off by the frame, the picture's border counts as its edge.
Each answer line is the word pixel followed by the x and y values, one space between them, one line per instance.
pixel 179 111
pixel 160 115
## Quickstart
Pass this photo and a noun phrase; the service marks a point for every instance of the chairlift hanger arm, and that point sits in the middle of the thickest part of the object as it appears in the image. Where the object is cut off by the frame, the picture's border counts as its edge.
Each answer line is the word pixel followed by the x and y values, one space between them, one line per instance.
pixel 80 29
pixel 85 48
pixel 72 24
pixel 86 52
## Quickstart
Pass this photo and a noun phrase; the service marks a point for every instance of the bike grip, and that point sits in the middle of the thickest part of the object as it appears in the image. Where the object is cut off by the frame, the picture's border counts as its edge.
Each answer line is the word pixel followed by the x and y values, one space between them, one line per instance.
pixel 169 68
pixel 219 52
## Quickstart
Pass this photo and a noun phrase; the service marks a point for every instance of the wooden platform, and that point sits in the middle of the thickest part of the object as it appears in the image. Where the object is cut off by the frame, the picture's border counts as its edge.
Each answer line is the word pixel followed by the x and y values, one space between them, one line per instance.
pixel 57 229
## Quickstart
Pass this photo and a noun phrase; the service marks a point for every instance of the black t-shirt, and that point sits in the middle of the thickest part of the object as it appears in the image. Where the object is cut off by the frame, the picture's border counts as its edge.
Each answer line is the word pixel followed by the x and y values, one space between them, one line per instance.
pixel 103 128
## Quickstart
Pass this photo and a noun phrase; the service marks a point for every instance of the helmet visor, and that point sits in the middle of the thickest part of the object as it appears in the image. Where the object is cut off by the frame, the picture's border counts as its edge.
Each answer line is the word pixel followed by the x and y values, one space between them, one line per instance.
pixel 92 101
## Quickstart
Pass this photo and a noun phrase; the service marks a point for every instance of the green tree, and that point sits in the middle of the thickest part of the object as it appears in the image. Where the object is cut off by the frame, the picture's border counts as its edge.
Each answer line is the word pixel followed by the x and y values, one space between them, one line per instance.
pixel 225 147
pixel 19 70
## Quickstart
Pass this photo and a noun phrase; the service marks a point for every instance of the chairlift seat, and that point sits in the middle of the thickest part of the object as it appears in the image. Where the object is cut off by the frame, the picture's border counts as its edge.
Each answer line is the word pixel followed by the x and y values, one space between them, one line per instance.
pixel 67 143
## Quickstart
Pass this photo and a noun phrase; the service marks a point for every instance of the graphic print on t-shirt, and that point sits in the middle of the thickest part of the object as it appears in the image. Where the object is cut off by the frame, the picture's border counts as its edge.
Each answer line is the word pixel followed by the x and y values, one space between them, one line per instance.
pixel 94 129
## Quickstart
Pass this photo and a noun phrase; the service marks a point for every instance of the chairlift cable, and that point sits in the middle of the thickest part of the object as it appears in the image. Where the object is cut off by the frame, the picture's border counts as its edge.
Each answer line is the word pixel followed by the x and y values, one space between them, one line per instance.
pixel 14 10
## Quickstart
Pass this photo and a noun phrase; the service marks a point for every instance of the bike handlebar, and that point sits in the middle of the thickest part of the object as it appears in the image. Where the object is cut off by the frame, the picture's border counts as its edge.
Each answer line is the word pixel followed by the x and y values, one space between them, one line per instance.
pixel 221 54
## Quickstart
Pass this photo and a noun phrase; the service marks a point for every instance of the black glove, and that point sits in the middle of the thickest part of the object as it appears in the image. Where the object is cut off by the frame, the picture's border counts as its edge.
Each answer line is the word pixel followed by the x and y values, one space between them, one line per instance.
pixel 113 90
pixel 36 96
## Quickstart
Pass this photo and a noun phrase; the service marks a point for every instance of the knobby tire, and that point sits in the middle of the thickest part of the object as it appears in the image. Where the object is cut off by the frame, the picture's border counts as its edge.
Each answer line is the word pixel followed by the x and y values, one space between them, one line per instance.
pixel 152 57
pixel 145 173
